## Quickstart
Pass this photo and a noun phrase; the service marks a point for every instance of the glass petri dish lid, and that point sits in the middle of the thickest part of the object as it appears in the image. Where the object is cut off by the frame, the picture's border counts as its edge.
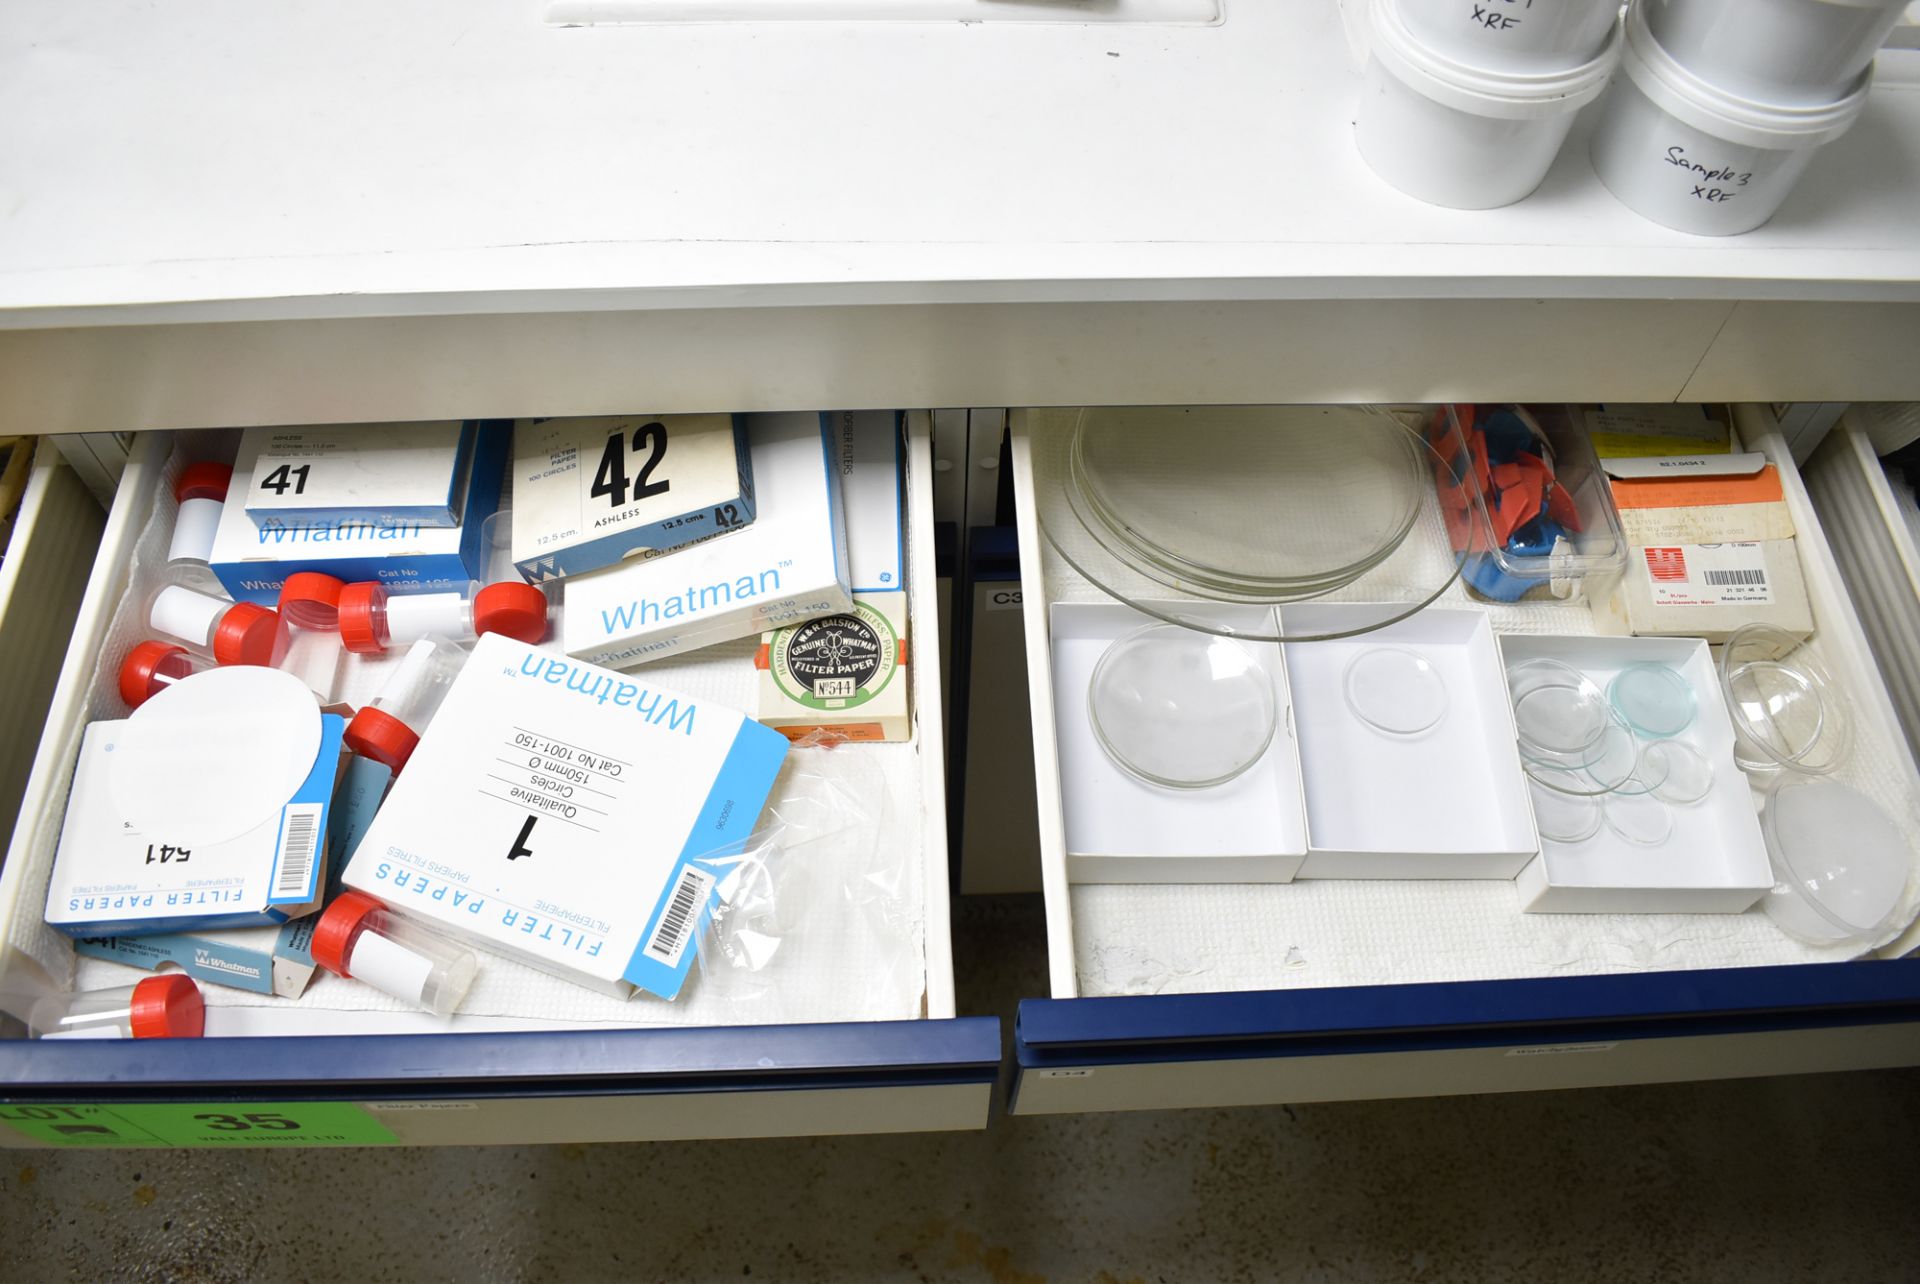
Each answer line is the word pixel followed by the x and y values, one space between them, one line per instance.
pixel 1179 709
pixel 1839 861
pixel 1558 711
pixel 1396 690
pixel 1787 713
pixel 1655 699
pixel 1171 510
pixel 1683 772
pixel 1561 812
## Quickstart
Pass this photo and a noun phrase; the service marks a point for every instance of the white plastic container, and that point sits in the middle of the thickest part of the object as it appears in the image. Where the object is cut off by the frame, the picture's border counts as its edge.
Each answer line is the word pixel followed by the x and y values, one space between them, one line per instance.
pixel 1527 36
pixel 1793 53
pixel 1461 136
pixel 1688 154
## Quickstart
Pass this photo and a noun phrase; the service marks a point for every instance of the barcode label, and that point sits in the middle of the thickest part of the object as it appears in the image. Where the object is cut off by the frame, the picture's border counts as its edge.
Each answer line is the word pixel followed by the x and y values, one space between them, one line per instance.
pixel 682 916
pixel 1708 574
pixel 299 843
pixel 1737 577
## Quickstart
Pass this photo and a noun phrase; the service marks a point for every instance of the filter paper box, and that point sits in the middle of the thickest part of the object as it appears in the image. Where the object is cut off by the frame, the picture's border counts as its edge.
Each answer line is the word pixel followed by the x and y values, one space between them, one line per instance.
pixel 110 879
pixel 590 492
pixel 570 816
pixel 381 474
pixel 789 565
pixel 252 562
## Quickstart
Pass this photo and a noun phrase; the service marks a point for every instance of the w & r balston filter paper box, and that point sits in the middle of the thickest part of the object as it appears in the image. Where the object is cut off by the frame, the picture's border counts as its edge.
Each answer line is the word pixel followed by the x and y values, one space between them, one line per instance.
pixel 570 816
pixel 789 565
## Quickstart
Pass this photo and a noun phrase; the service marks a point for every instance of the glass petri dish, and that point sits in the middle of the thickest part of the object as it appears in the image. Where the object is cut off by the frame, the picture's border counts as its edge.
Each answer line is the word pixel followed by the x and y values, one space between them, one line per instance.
pixel 1174 510
pixel 1180 709
pixel 1599 769
pixel 1557 710
pixel 1684 773
pixel 1839 861
pixel 1640 819
pixel 1563 815
pixel 1396 691
pixel 1655 699
pixel 1787 713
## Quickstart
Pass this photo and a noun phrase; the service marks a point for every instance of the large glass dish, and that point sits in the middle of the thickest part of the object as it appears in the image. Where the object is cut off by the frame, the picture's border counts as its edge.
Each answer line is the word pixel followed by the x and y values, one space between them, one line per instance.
pixel 1170 510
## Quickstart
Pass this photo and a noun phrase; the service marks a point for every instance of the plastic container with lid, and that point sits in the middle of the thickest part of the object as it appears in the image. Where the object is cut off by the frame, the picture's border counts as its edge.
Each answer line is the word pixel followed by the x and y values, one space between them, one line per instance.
pixel 309 607
pixel 1796 53
pixel 1525 498
pixel 1513 35
pixel 160 1007
pixel 1685 152
pixel 358 937
pixel 388 729
pixel 153 666
pixel 373 620
pixel 1463 136
pixel 1839 862
pixel 201 489
pixel 216 629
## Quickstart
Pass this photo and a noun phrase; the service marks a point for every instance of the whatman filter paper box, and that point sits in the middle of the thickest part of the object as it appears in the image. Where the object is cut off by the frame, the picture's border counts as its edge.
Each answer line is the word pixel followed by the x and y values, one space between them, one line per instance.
pixel 111 879
pixel 574 817
pixel 845 674
pixel 789 565
pixel 381 474
pixel 590 492
pixel 253 561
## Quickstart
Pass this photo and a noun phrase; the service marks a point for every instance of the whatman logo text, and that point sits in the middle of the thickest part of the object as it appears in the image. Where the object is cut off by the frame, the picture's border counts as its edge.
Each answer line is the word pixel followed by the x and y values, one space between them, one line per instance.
pixel 704 598
pixel 595 684
pixel 327 532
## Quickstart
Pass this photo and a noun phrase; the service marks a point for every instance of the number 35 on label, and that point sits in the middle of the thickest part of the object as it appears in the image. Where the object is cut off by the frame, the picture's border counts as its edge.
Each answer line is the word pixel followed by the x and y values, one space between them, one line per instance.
pixel 589 492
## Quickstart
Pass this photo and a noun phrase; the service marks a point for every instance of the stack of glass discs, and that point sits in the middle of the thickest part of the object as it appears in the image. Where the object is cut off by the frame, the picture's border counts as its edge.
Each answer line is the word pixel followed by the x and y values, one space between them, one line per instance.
pixel 1178 512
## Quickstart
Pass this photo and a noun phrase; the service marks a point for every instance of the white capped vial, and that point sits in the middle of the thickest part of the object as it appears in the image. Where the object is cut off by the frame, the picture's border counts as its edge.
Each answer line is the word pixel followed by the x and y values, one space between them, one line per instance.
pixel 160 1007
pixel 360 938
pixel 373 620
pixel 388 729
pixel 216 629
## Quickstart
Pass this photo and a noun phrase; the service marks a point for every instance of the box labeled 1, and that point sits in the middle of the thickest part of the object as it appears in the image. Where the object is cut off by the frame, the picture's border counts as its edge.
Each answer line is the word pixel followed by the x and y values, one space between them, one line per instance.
pixel 380 474
pixel 253 562
pixel 574 817
pixel 589 492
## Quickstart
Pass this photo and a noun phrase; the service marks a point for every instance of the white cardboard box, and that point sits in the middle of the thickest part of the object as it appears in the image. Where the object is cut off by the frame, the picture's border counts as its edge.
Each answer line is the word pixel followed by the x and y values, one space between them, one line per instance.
pixel 1714 862
pixel 571 816
pixel 1451 803
pixel 789 565
pixel 1119 829
pixel 382 474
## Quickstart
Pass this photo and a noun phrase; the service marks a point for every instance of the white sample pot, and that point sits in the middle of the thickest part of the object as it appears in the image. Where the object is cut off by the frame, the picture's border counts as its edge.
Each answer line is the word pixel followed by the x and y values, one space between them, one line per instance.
pixel 1462 136
pixel 1794 53
pixel 1688 154
pixel 1513 35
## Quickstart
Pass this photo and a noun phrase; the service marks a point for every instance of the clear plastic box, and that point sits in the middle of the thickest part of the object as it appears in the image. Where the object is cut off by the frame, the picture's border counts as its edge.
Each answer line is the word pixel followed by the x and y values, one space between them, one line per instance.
pixel 1546 528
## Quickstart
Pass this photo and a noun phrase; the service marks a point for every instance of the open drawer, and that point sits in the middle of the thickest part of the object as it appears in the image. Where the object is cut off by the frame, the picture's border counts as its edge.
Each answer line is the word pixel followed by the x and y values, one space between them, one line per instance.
pixel 1244 993
pixel 840 1050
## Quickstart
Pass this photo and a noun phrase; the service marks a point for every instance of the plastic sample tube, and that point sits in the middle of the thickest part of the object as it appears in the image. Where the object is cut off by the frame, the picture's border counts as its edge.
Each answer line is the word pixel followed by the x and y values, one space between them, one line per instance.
pixel 216 629
pixel 202 491
pixel 152 667
pixel 309 607
pixel 360 938
pixel 388 729
pixel 373 620
pixel 160 1007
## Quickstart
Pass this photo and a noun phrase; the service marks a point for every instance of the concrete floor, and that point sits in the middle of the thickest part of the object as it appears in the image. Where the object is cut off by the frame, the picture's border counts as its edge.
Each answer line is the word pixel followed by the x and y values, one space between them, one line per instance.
pixel 1808 1178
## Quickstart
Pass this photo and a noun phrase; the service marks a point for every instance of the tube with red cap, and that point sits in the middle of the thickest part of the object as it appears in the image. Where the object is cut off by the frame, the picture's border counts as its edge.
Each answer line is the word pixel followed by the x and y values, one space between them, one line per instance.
pixel 216 629
pixel 201 489
pixel 387 729
pixel 160 1007
pixel 358 937
pixel 309 607
pixel 373 620
pixel 152 667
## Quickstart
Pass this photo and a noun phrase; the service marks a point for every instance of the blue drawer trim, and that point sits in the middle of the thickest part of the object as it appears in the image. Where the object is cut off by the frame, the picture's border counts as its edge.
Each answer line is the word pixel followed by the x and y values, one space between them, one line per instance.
pixel 529 1064
pixel 1389 1018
